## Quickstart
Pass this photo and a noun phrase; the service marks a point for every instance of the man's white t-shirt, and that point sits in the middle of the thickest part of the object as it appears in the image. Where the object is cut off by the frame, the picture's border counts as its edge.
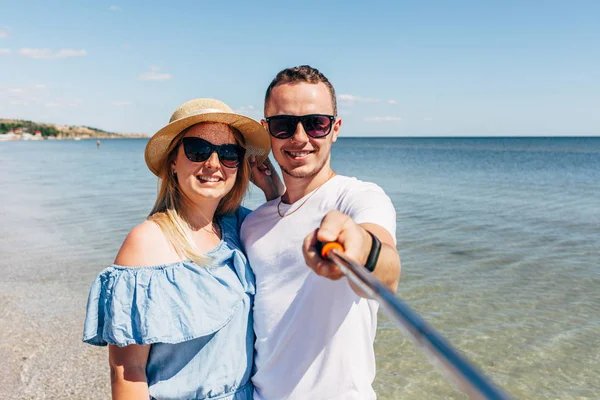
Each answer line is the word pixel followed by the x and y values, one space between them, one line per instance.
pixel 314 336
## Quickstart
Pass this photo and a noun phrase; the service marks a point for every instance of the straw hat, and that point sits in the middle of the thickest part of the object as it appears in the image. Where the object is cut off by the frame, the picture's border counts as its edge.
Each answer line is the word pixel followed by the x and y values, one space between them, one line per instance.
pixel 207 110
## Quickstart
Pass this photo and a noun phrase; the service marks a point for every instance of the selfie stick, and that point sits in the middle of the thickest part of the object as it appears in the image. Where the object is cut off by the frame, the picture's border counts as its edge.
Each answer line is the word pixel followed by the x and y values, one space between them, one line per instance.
pixel 458 369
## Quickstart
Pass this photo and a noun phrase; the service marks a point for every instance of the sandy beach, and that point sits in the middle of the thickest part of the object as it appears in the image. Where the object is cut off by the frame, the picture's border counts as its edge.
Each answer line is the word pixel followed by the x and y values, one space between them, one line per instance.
pixel 52 246
pixel 42 312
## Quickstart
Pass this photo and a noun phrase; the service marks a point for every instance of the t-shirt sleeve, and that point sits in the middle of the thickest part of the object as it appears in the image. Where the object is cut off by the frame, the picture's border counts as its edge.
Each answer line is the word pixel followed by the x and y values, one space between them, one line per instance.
pixel 368 203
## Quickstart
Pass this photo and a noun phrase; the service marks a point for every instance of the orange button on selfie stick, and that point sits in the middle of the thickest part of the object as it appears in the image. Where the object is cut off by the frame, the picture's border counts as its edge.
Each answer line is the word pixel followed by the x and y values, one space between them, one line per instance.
pixel 327 247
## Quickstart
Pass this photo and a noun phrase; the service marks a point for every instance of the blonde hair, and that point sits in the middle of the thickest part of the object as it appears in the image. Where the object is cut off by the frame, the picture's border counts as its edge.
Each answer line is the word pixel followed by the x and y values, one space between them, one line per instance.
pixel 166 212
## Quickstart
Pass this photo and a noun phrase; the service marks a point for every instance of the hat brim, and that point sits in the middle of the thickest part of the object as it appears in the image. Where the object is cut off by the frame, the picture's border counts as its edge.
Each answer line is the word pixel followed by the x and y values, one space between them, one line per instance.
pixel 256 137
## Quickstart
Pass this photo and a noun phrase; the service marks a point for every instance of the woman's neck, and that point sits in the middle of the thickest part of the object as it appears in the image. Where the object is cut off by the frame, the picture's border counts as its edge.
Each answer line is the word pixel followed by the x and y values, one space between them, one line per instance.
pixel 200 215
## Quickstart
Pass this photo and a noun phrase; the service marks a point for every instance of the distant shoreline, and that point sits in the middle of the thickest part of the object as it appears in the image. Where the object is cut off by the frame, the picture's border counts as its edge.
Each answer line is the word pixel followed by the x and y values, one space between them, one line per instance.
pixel 16 138
pixel 474 137
pixel 15 129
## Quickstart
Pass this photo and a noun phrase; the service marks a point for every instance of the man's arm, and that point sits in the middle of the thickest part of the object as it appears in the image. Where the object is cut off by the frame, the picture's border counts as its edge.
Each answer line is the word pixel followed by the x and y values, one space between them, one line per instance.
pixel 338 227
pixel 388 267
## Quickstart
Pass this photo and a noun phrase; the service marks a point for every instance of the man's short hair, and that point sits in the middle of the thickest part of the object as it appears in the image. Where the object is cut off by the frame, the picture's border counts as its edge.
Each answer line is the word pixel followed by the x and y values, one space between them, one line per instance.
pixel 302 73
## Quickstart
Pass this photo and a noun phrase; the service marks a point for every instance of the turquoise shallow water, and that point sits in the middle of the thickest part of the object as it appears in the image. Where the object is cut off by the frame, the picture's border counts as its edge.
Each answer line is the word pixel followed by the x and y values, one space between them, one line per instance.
pixel 499 240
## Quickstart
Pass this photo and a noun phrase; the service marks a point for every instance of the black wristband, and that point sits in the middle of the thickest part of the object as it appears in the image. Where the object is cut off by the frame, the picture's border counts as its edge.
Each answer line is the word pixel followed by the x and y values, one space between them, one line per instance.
pixel 374 253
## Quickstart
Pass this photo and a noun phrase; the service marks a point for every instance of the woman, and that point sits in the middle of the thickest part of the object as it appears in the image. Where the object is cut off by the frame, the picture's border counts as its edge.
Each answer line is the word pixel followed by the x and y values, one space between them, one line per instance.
pixel 175 308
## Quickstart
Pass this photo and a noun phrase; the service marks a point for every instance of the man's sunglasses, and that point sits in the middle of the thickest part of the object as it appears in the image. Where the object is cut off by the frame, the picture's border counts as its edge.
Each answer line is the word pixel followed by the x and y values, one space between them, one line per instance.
pixel 315 125
pixel 200 150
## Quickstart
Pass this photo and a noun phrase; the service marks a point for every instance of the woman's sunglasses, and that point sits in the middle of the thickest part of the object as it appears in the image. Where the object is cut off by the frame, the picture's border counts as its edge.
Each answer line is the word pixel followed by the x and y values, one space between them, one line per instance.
pixel 200 150
pixel 315 125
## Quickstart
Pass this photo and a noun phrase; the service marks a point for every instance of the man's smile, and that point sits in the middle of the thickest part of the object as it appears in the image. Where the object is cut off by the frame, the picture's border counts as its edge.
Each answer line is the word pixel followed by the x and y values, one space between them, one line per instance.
pixel 298 155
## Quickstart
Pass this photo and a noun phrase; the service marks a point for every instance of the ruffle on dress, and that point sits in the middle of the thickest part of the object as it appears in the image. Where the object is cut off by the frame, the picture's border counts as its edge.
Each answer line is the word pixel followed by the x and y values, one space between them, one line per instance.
pixel 170 303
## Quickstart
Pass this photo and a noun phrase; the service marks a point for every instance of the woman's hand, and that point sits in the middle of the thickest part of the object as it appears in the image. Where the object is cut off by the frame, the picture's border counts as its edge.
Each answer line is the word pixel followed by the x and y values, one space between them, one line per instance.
pixel 266 178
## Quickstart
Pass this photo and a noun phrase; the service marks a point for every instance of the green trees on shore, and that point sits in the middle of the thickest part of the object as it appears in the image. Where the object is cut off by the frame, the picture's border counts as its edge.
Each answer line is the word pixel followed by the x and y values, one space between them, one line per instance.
pixel 30 126
pixel 60 131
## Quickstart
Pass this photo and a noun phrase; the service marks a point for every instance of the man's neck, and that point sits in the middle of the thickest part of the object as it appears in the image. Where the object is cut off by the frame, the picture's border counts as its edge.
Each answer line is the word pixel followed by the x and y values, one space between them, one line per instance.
pixel 297 188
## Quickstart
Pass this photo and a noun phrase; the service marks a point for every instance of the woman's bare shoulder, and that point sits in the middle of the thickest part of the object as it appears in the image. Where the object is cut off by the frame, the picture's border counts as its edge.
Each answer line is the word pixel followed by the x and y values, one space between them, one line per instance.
pixel 146 246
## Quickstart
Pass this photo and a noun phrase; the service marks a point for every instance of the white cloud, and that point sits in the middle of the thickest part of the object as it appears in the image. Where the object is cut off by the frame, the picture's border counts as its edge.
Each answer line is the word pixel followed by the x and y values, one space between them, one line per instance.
pixel 245 108
pixel 349 99
pixel 392 101
pixel 49 53
pixel 249 110
pixel 5 52
pixel 23 96
pixel 154 75
pixel 23 90
pixel 36 53
pixel 4 33
pixel 60 103
pixel 18 102
pixel 71 53
pixel 114 8
pixel 121 103
pixel 383 119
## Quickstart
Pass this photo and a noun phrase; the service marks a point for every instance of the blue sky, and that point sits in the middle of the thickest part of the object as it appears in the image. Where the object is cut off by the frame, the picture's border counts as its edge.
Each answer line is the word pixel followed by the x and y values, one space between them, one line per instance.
pixel 420 68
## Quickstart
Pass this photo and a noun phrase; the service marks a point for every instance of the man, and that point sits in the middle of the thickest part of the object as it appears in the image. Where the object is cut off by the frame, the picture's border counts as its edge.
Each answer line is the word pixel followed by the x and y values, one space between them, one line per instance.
pixel 314 336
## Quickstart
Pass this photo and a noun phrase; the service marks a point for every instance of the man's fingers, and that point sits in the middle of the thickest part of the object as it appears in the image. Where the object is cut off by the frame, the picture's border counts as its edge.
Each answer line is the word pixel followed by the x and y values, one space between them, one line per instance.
pixel 331 225
pixel 340 228
pixel 314 260
pixel 329 270
pixel 309 251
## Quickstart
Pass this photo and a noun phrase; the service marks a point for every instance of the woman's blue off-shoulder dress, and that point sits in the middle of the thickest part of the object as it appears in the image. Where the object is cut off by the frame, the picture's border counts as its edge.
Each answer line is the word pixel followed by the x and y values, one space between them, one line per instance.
pixel 197 319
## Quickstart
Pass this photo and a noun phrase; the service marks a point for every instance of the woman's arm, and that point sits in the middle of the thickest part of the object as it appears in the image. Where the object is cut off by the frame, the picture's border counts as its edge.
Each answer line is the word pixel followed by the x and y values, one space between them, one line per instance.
pixel 145 245
pixel 128 372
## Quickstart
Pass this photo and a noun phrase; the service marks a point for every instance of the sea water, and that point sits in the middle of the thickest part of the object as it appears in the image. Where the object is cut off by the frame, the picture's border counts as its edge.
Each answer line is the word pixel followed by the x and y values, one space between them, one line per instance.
pixel 499 240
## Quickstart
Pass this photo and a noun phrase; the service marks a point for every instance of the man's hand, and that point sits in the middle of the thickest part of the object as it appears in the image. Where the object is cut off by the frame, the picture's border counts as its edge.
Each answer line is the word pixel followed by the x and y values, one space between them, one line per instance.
pixel 357 242
pixel 336 227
